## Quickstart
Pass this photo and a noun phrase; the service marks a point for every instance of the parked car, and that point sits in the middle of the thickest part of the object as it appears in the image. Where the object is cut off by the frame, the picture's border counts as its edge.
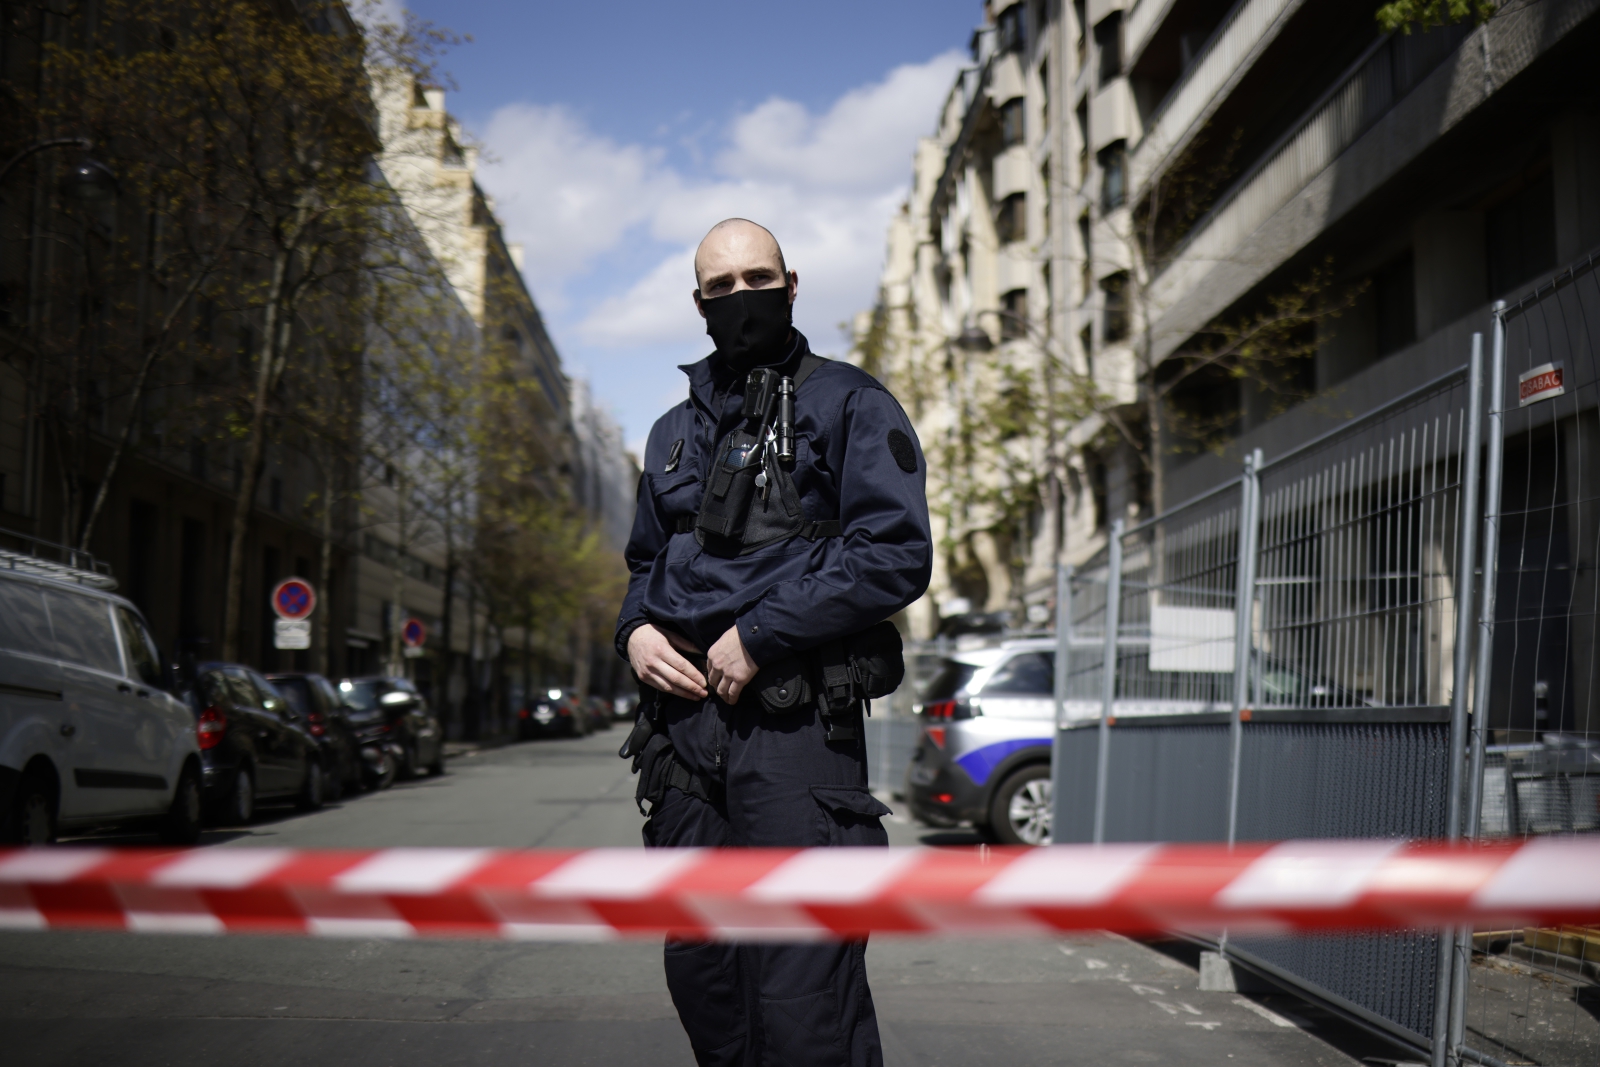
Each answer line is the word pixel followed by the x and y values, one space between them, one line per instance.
pixel 625 707
pixel 556 713
pixel 315 702
pixel 598 709
pixel 252 745
pixel 984 754
pixel 410 723
pixel 375 740
pixel 90 732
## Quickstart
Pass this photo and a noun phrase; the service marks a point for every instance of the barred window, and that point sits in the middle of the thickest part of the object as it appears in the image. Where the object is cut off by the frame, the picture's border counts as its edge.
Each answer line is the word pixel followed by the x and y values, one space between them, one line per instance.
pixel 1014 322
pixel 1011 218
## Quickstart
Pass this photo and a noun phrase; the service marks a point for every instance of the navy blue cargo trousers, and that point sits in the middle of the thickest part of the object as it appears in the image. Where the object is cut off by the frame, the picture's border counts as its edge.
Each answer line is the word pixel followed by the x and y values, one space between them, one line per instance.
pixel 770 1005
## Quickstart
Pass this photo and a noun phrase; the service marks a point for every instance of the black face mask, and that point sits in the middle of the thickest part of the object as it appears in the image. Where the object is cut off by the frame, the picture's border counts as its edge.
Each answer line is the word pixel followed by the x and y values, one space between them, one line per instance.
pixel 750 326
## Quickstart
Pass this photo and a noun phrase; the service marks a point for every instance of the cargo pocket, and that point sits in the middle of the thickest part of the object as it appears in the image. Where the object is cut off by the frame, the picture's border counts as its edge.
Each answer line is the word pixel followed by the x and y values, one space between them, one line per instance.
pixel 676 495
pixel 704 982
pixel 802 1031
pixel 850 816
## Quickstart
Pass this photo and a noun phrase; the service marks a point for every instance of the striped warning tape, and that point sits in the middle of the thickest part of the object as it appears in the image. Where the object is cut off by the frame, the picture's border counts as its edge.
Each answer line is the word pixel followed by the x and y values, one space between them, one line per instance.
pixel 789 894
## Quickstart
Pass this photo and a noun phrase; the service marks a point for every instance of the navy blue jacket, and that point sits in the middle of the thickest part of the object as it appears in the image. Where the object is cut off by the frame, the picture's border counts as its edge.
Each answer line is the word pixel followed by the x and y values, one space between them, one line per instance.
pixel 794 595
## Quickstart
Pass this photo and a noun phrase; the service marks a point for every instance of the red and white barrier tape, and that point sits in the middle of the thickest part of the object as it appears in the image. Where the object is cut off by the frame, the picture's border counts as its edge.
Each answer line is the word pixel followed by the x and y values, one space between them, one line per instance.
pixel 802 894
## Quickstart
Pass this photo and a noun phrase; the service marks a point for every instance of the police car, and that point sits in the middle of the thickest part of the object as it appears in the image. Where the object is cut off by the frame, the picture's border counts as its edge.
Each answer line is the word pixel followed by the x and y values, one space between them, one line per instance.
pixel 984 754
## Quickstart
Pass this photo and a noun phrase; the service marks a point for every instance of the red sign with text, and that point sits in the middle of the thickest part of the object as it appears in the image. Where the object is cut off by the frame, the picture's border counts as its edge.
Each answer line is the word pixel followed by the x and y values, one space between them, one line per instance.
pixel 1541 383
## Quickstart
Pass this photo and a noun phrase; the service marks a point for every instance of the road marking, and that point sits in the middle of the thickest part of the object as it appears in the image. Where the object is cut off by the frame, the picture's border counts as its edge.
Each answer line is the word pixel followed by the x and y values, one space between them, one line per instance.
pixel 1144 989
pixel 1096 965
pixel 1208 1027
pixel 1271 1016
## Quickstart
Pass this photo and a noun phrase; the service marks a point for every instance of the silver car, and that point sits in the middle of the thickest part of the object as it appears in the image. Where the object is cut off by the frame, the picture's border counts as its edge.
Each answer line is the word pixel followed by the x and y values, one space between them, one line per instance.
pixel 89 733
pixel 983 757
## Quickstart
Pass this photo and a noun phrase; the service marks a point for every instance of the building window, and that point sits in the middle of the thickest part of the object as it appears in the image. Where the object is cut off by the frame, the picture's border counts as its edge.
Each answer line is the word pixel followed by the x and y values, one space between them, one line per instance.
pixel 1108 44
pixel 1014 320
pixel 1085 247
pixel 1113 176
pixel 1013 29
pixel 1086 344
pixel 1011 132
pixel 1081 22
pixel 1044 95
pixel 1099 492
pixel 1011 218
pixel 1394 297
pixel 1521 235
pixel 1115 325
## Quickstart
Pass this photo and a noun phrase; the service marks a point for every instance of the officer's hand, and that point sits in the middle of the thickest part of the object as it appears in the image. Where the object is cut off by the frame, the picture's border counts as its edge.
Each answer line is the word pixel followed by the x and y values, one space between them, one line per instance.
pixel 729 667
pixel 654 656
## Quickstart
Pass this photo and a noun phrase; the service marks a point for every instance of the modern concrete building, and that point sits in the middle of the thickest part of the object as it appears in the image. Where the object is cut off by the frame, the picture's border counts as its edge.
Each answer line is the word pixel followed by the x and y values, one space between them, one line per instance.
pixel 1192 161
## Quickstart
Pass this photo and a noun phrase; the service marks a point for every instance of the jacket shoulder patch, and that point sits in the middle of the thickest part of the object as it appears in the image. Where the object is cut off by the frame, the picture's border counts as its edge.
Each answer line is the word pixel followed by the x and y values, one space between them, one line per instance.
pixel 905 456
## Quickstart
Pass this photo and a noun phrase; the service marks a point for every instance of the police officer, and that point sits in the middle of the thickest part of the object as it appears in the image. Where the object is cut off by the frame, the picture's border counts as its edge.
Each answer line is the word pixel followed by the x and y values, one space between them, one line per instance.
pixel 782 514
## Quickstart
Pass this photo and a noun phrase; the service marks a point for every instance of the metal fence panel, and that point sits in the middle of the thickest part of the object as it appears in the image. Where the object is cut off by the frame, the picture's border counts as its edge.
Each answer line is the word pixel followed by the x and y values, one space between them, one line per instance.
pixel 1176 623
pixel 1349 780
pixel 1533 995
pixel 1356 583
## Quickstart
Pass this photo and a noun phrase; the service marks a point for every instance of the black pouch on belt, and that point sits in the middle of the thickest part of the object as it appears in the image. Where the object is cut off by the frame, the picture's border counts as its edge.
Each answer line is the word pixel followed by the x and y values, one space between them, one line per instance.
pixel 877 659
pixel 783 686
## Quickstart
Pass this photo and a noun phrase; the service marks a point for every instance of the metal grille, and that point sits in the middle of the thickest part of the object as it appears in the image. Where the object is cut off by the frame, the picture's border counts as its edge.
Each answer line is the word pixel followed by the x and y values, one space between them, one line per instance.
pixel 1176 623
pixel 1086 638
pixel 1343 780
pixel 1357 558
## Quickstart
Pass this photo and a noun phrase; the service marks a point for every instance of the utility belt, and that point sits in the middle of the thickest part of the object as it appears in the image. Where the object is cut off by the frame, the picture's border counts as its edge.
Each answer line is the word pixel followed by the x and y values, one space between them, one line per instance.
pixel 835 677
pixel 838 678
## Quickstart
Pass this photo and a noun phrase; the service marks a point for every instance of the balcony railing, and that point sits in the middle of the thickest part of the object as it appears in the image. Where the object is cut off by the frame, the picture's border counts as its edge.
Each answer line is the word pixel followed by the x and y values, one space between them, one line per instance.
pixel 1372 86
pixel 1224 58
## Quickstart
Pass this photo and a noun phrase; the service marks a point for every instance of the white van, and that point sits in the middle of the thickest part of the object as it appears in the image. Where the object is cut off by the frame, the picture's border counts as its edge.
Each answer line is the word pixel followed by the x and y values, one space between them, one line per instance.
pixel 90 736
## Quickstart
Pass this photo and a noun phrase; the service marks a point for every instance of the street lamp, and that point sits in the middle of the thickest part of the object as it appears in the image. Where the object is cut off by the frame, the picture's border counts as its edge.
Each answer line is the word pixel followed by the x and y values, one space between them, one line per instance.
pixel 89 180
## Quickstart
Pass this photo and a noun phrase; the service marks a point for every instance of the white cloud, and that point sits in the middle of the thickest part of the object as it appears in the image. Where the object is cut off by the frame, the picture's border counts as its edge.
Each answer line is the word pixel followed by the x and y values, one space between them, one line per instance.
pixel 825 183
pixel 864 141
pixel 566 193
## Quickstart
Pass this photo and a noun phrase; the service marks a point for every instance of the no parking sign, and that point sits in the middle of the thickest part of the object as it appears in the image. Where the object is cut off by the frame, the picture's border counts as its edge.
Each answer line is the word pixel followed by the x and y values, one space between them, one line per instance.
pixel 293 598
pixel 412 635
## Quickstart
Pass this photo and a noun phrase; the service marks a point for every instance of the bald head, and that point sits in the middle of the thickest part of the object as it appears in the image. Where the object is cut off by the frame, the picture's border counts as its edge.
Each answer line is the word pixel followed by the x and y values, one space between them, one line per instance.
pixel 739 254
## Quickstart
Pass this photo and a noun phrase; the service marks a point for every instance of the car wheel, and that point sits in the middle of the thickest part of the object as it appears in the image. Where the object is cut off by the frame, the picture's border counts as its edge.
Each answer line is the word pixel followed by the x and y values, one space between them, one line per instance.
pixel 333 783
pixel 182 825
pixel 408 761
pixel 240 807
pixel 436 768
pixel 310 798
pixel 33 810
pixel 1020 811
pixel 386 773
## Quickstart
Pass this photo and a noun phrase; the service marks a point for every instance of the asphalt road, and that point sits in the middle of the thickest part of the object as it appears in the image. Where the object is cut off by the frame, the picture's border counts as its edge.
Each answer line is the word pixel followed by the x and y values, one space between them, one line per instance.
pixel 149 1000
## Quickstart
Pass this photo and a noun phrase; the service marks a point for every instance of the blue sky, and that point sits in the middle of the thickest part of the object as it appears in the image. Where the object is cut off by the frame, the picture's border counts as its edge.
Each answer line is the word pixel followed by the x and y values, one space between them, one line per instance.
pixel 615 133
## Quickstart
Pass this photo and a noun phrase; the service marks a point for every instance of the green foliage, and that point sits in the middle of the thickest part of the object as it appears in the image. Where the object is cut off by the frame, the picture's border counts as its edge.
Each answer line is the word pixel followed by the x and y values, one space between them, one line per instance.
pixel 1406 15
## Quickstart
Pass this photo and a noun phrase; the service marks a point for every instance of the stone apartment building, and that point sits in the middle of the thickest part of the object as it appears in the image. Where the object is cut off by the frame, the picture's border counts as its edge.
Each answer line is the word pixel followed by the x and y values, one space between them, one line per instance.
pixel 567 447
pixel 1110 180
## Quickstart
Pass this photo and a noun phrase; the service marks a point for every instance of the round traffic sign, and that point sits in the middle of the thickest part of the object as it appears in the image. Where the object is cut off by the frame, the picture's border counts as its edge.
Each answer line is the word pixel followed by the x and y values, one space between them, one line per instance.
pixel 413 633
pixel 293 598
